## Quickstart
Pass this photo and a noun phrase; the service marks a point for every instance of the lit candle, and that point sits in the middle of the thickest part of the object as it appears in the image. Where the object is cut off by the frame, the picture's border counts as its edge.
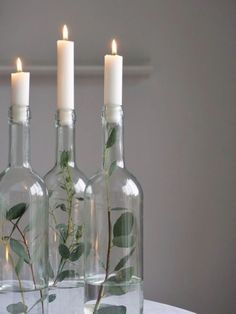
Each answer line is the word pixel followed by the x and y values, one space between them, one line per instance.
pixel 65 72
pixel 113 77
pixel 20 86
pixel 20 82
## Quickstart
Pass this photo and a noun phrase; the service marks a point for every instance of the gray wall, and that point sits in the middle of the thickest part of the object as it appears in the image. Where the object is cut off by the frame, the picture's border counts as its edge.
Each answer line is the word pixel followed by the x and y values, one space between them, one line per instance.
pixel 179 126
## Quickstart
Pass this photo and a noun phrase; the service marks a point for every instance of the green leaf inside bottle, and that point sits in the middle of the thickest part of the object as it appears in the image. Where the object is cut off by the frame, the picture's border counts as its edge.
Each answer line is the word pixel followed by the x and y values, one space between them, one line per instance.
pixel 17 308
pixel 19 249
pixel 64 251
pixel 112 138
pixel 16 211
pixel 124 225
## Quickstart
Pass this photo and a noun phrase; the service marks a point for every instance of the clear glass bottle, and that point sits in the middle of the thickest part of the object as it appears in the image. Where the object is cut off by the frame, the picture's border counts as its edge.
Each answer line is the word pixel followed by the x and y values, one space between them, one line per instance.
pixel 66 185
pixel 113 229
pixel 23 226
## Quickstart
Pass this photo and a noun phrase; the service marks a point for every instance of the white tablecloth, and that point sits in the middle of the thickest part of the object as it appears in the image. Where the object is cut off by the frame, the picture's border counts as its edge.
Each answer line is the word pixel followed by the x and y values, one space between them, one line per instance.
pixel 151 307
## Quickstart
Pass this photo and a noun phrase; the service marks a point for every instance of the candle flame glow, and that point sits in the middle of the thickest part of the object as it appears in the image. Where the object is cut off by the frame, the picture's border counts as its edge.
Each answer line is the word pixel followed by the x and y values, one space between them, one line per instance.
pixel 65 33
pixel 18 65
pixel 7 253
pixel 114 47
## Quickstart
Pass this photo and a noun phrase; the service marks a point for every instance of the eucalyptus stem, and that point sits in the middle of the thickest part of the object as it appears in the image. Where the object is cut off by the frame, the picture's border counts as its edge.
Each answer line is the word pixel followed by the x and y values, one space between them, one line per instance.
pixel 31 266
pixel 70 191
pixel 18 278
pixel 109 242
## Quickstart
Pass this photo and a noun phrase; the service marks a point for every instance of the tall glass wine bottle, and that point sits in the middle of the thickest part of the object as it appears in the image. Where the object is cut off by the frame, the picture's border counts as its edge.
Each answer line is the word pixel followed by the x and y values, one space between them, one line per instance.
pixel 113 222
pixel 66 185
pixel 23 216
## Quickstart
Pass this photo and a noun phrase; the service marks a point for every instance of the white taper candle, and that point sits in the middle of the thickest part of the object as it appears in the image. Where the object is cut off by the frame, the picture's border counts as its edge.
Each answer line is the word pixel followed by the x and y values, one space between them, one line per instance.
pixel 20 86
pixel 65 72
pixel 20 83
pixel 113 73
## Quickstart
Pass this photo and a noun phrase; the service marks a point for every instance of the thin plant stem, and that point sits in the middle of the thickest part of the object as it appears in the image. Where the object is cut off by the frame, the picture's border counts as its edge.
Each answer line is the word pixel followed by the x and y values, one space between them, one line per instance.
pixel 70 193
pixel 31 266
pixel 69 188
pixel 18 278
pixel 101 289
pixel 14 226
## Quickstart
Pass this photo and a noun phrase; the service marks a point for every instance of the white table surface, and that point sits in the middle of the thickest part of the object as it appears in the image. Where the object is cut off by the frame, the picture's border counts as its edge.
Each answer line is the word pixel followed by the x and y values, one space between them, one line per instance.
pixel 151 307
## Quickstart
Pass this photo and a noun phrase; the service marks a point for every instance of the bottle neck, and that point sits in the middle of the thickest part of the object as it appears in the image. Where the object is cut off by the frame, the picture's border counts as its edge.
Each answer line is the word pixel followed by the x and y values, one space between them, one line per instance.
pixel 19 136
pixel 65 127
pixel 113 151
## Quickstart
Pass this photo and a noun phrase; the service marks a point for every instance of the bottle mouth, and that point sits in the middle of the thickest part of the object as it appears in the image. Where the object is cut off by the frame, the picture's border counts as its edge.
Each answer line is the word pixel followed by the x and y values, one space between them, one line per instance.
pixel 65 117
pixel 112 113
pixel 19 114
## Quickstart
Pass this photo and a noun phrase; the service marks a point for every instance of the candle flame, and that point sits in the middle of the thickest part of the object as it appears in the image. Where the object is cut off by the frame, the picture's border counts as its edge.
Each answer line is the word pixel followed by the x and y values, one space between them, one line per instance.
pixel 18 65
pixel 7 253
pixel 114 47
pixel 65 33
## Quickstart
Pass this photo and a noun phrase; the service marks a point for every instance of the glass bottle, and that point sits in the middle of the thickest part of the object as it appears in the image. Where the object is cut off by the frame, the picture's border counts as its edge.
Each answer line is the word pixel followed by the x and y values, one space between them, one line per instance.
pixel 66 185
pixel 113 229
pixel 23 225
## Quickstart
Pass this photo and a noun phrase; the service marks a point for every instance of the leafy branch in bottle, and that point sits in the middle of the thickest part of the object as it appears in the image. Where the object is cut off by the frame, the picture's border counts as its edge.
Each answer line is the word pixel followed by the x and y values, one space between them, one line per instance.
pixel 70 251
pixel 21 249
pixel 120 235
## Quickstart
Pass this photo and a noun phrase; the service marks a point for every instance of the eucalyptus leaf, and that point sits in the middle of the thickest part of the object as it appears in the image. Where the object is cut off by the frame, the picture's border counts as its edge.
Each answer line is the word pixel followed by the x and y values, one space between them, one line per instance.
pixel 124 260
pixel 19 249
pixel 64 159
pixel 66 274
pixel 124 274
pixel 19 265
pixel 62 207
pixel 112 168
pixel 17 308
pixel 77 252
pixel 80 198
pixel 111 309
pixel 112 138
pixel 124 225
pixel 62 228
pixel 51 297
pixel 124 241
pixel 16 211
pixel 64 251
pixel 116 289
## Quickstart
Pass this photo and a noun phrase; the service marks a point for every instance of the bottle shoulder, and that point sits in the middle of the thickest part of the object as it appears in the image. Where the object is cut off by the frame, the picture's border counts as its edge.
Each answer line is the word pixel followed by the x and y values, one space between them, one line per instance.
pixel 57 176
pixel 121 180
pixel 22 179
